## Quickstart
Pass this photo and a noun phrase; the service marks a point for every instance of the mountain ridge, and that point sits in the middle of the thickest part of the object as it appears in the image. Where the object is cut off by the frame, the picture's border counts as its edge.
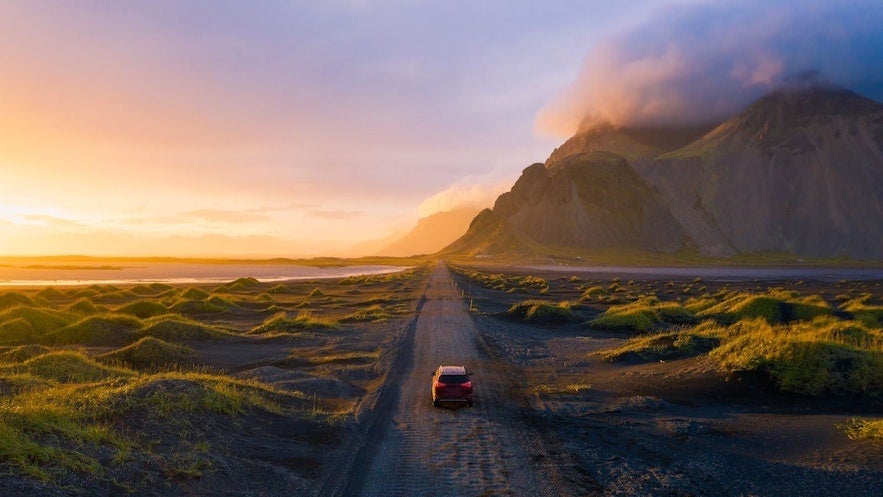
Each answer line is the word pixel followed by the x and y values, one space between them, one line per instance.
pixel 798 171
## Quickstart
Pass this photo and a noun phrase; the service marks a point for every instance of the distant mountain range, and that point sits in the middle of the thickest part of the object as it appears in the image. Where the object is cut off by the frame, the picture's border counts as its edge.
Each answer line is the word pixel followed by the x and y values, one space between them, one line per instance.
pixel 800 171
pixel 431 234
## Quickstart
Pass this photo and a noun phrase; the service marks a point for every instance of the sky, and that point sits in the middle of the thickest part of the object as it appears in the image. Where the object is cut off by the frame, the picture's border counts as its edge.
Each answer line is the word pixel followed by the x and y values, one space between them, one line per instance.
pixel 301 128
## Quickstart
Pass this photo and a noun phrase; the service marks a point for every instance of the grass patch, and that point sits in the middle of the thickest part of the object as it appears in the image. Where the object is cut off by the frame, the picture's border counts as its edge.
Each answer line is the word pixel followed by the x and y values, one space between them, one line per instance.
pixel 101 329
pixel 280 289
pixel 150 352
pixel 39 322
pixel 175 328
pixel 143 309
pixel 83 306
pixel 859 428
pixel 542 311
pixel 23 353
pixel 374 312
pixel 13 299
pixel 644 315
pixel 805 358
pixel 197 307
pixel 68 367
pixel 305 321
pixel 666 345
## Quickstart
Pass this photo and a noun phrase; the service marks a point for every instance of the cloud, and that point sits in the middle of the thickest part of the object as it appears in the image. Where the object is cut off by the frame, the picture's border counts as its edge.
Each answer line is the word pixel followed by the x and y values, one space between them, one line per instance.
pixel 701 63
pixel 472 194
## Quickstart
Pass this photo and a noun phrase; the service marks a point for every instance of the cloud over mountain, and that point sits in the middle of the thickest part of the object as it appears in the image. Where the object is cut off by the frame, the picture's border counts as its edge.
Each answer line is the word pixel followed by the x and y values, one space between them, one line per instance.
pixel 700 63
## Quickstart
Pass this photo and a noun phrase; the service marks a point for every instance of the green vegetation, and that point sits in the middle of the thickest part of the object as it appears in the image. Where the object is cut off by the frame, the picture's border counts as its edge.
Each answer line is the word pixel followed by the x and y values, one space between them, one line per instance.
pixel 150 352
pixel 858 428
pixel 66 366
pixel 13 299
pixel 374 312
pixel 176 328
pixel 644 315
pixel 281 323
pixel 143 309
pixel 505 282
pixel 542 311
pixel 667 344
pixel 102 328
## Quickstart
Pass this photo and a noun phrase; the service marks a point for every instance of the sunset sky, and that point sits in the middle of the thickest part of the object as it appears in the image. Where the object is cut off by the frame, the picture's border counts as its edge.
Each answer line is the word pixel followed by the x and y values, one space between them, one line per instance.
pixel 293 127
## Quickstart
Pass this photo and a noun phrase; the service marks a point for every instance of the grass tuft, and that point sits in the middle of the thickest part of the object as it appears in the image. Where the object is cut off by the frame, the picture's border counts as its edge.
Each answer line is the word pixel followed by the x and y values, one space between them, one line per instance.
pixel 143 309
pixel 542 311
pixel 150 352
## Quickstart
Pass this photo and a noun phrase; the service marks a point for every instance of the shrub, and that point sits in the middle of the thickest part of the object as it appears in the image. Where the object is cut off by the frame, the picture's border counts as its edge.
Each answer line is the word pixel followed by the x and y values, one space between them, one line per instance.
pixel 857 428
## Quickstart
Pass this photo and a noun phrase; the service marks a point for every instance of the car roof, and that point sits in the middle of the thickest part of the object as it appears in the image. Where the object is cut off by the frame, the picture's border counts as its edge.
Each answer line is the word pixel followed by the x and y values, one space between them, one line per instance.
pixel 452 369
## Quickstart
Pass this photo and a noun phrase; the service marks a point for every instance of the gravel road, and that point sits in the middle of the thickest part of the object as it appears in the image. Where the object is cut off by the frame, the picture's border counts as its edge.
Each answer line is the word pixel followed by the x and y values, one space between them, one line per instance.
pixel 416 449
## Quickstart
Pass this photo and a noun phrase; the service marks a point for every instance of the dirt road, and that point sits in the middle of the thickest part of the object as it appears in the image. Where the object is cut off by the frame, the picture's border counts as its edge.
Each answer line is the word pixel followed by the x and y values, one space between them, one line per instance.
pixel 416 449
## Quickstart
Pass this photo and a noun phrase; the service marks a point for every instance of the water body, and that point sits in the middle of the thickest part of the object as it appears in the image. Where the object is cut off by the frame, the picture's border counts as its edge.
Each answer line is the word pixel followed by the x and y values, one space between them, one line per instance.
pixel 722 273
pixel 176 273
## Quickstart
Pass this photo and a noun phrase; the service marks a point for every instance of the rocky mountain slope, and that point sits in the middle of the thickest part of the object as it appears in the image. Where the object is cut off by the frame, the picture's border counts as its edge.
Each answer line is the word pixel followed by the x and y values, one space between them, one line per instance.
pixel 800 171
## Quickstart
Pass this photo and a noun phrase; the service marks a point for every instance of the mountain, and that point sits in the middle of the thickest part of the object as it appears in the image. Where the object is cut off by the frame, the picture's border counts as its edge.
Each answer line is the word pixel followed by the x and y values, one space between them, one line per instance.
pixel 432 233
pixel 799 171
pixel 593 201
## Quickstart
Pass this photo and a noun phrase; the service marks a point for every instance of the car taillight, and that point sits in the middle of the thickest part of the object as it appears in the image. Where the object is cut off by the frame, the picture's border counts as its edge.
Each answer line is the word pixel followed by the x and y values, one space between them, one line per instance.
pixel 439 385
pixel 467 386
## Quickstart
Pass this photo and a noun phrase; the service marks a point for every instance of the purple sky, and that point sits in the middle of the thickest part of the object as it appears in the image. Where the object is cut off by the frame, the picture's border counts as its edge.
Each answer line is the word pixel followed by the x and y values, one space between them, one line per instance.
pixel 303 127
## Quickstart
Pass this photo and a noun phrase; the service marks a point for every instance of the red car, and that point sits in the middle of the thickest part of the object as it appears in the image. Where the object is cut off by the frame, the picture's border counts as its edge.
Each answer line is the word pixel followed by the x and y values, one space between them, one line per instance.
pixel 451 384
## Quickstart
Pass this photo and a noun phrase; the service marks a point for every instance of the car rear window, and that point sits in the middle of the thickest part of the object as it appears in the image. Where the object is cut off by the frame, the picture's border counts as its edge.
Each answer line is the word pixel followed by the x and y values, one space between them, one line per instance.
pixel 454 379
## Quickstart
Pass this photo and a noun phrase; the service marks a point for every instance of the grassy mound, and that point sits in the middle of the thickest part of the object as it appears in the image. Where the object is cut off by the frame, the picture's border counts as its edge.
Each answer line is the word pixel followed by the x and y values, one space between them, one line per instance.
pixel 374 312
pixel 542 311
pixel 175 328
pixel 50 293
pixel 193 293
pixel 143 309
pixel 667 345
pixel 281 323
pixel 863 310
pixel 13 299
pixel 150 352
pixel 118 297
pixel 594 292
pixel 40 321
pixel 102 329
pixel 247 282
pixel 858 428
pixel 775 307
pixel 23 353
pixel 643 315
pixel 83 306
pixel 52 432
pixel 280 289
pixel 805 359
pixel 316 293
pixel 17 330
pixel 196 307
pixel 68 367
